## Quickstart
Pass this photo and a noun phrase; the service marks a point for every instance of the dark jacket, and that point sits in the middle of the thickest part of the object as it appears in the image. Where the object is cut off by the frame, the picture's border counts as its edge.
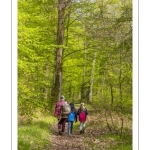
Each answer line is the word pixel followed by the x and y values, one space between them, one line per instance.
pixel 85 110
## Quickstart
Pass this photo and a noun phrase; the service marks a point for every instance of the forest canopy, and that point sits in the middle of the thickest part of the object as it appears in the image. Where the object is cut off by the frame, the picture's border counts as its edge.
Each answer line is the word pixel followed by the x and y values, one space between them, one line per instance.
pixel 81 49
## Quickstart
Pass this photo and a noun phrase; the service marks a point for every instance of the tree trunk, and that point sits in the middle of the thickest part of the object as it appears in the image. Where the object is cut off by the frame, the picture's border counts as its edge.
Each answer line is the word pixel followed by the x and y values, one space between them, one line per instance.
pixel 83 93
pixel 112 95
pixel 92 79
pixel 120 87
pixel 59 51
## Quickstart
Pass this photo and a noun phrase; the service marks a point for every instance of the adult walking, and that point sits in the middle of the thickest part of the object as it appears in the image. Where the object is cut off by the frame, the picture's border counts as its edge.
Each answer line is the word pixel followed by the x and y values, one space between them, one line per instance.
pixel 58 111
pixel 65 111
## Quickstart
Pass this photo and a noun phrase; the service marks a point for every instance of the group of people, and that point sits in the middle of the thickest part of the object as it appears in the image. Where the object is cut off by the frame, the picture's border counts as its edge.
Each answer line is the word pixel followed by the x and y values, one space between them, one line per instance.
pixel 68 113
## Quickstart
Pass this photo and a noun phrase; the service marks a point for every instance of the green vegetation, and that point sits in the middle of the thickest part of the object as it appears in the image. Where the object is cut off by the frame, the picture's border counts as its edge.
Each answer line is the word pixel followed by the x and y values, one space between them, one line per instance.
pixel 36 134
pixel 82 50
pixel 101 137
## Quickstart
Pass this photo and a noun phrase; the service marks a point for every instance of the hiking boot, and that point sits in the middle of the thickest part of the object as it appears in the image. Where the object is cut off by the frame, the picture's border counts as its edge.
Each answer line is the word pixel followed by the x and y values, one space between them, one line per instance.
pixel 80 131
pixel 60 132
pixel 83 131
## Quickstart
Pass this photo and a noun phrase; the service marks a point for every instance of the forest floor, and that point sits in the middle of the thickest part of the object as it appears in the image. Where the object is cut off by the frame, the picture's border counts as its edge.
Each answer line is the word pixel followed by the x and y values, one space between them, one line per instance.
pixel 97 136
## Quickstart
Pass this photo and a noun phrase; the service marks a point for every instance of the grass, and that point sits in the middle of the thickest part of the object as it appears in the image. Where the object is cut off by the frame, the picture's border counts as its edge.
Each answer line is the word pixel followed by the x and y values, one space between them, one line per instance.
pixel 123 143
pixel 35 135
pixel 109 142
pixel 76 126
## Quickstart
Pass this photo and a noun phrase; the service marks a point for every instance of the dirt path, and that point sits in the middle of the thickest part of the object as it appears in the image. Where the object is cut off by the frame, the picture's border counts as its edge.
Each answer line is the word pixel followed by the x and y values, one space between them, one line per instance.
pixel 65 142
pixel 94 137
pixel 77 141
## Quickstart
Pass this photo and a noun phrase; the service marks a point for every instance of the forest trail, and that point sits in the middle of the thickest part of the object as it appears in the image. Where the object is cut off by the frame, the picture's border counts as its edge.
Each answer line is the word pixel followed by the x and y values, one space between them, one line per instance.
pixel 65 142
pixel 78 141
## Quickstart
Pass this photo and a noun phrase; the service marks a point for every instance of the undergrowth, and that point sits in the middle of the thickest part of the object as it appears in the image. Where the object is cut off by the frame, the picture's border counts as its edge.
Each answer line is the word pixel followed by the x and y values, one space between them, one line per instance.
pixel 35 135
pixel 100 137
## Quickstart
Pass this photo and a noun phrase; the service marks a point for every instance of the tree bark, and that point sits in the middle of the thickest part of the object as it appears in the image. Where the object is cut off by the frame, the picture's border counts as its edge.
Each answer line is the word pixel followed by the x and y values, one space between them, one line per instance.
pixel 92 79
pixel 112 95
pixel 83 93
pixel 59 51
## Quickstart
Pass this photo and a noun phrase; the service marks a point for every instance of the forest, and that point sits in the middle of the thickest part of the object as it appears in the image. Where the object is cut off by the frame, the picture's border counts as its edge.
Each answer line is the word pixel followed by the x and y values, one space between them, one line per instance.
pixel 81 49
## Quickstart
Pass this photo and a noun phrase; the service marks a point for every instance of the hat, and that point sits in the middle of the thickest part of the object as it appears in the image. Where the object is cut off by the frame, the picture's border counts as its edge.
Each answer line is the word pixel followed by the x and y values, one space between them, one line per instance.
pixel 82 104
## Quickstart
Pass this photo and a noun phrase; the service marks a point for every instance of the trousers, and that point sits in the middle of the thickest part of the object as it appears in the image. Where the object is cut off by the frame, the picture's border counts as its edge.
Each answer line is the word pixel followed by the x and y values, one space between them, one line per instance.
pixel 61 124
pixel 70 127
pixel 82 126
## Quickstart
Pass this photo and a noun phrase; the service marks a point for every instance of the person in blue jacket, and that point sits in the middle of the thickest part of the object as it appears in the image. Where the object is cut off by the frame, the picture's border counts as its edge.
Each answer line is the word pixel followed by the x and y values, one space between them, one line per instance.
pixel 71 118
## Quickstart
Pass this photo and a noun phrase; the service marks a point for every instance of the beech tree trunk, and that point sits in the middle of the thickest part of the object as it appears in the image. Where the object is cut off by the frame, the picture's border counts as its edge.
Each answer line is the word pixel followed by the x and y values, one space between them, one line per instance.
pixel 92 79
pixel 59 51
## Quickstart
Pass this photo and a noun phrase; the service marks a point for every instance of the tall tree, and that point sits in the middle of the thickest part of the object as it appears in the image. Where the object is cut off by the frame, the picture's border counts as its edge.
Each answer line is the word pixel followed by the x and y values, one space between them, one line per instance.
pixel 62 4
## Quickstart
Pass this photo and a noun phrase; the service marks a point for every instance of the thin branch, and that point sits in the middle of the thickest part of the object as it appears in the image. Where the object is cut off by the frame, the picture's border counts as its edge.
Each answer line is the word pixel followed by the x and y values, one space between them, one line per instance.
pixel 74 20
pixel 71 53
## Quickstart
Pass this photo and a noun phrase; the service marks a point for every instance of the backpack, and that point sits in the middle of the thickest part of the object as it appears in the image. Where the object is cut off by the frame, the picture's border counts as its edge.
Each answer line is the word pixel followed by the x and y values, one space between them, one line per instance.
pixel 82 116
pixel 57 108
pixel 66 109
pixel 71 116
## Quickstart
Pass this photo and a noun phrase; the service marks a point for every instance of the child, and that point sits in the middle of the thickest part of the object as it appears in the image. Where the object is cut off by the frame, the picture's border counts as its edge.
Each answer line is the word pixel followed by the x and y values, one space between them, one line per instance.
pixel 71 118
pixel 82 112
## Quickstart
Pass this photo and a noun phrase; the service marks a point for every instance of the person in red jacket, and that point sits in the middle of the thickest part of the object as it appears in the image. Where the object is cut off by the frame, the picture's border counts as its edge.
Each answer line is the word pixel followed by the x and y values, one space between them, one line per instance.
pixel 58 111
